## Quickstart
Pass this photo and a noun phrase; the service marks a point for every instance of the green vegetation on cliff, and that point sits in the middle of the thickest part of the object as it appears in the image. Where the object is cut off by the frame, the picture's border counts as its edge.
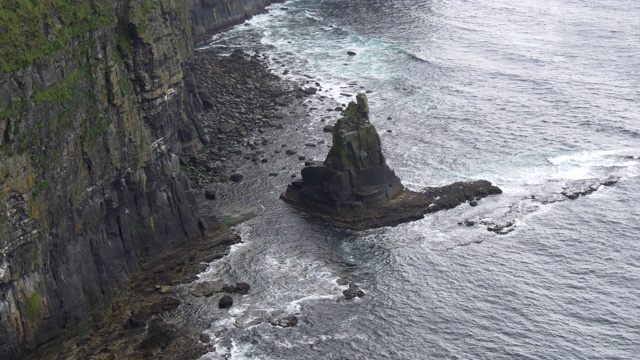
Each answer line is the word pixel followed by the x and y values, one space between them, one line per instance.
pixel 33 29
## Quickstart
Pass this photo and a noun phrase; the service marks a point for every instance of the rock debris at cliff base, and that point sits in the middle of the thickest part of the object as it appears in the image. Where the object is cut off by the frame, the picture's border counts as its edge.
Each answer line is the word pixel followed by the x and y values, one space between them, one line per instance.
pixel 242 100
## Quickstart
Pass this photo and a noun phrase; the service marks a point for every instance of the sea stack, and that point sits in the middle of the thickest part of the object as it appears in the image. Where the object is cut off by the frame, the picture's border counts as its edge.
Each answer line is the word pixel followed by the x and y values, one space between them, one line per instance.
pixel 355 188
pixel 354 175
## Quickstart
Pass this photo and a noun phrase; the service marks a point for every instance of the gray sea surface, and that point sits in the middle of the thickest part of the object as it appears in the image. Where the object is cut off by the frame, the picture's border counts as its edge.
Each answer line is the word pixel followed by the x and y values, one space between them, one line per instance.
pixel 535 96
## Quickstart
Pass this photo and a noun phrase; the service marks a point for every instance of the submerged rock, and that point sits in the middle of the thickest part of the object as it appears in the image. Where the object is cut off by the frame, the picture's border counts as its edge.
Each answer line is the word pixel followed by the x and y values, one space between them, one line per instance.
pixel 242 288
pixel 355 188
pixel 239 288
pixel 352 292
pixel 205 289
pixel 284 321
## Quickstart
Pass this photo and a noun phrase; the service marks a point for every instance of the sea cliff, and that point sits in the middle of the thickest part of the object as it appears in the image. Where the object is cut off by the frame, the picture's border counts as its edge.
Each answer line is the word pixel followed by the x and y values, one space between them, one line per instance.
pixel 97 101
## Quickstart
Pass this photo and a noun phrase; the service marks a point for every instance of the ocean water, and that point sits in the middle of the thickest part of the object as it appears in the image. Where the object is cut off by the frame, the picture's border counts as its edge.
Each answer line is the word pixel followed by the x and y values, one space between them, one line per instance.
pixel 531 95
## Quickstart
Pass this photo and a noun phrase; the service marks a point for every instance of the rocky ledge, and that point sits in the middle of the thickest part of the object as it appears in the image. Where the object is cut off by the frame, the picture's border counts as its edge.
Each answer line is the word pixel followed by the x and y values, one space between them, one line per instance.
pixel 355 188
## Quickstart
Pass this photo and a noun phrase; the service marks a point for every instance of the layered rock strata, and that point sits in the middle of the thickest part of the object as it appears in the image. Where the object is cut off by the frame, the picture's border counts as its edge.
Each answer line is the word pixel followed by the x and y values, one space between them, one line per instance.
pixel 354 175
pixel 215 15
pixel 97 100
pixel 355 188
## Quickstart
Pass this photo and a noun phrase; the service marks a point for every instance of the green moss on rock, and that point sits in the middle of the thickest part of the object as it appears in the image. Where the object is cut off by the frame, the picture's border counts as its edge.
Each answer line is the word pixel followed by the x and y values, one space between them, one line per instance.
pixel 31 30
pixel 352 133
pixel 33 310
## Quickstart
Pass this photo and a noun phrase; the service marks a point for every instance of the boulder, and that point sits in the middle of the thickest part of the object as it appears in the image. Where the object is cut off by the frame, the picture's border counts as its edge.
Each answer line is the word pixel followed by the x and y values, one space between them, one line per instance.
pixel 138 319
pixel 203 289
pixel 167 303
pixel 225 302
pixel 207 99
pixel 310 90
pixel 210 194
pixel 285 321
pixel 352 292
pixel 242 288
pixel 236 177
pixel 229 289
pixel 239 288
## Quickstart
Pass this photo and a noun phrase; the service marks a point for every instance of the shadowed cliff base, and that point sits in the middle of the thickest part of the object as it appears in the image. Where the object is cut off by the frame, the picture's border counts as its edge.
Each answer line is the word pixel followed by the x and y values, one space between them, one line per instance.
pixel 354 187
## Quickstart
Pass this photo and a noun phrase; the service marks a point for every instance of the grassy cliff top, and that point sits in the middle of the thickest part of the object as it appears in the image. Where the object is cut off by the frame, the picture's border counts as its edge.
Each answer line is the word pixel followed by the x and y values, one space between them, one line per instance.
pixel 33 29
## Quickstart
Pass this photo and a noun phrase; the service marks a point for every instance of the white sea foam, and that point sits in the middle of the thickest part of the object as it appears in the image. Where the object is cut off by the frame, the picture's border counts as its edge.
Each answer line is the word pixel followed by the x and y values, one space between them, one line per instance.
pixel 619 157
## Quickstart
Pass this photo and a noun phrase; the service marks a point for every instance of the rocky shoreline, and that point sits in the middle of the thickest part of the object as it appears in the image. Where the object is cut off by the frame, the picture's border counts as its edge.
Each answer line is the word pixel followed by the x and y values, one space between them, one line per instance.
pixel 245 106
pixel 132 324
pixel 242 100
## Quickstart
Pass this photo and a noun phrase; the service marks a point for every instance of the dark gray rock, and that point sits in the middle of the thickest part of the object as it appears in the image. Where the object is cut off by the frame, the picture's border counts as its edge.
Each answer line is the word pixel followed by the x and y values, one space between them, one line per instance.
pixel 225 302
pixel 242 288
pixel 354 187
pixel 236 177
pixel 310 90
pixel 226 128
pixel 167 303
pixel 159 334
pixel 229 289
pixel 352 292
pixel 354 175
pixel 207 100
pixel 210 194
pixel 138 319
pixel 285 321
pixel 203 289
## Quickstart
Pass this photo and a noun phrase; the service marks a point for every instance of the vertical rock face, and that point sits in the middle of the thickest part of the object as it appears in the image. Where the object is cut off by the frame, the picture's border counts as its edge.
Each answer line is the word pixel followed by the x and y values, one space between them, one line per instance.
pixel 216 15
pixel 91 121
pixel 354 176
